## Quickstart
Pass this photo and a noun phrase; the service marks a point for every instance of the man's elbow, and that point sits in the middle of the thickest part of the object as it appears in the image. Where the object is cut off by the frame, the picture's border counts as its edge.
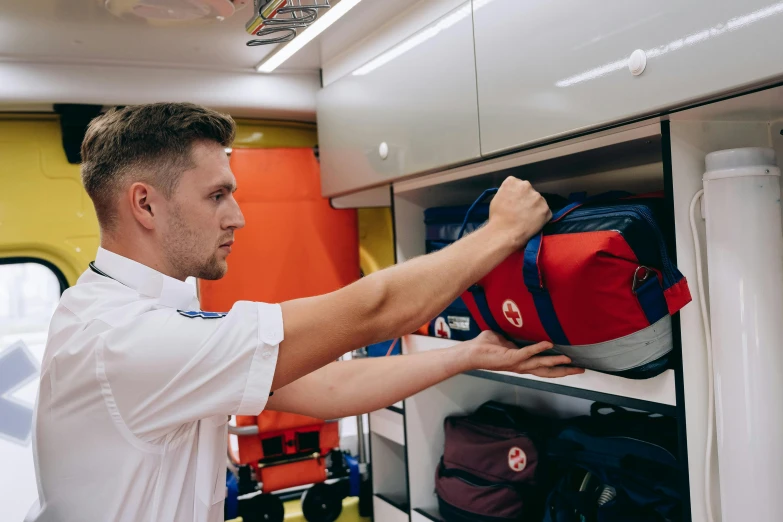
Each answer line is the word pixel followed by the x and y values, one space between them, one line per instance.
pixel 391 312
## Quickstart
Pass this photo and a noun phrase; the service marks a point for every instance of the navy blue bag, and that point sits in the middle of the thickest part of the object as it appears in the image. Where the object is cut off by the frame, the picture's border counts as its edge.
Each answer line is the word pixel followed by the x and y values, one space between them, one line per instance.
pixel 382 349
pixel 455 322
pixel 618 466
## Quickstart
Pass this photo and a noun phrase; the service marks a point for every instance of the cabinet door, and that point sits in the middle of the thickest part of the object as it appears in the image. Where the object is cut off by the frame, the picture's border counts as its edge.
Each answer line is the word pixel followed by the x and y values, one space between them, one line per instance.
pixel 547 68
pixel 418 98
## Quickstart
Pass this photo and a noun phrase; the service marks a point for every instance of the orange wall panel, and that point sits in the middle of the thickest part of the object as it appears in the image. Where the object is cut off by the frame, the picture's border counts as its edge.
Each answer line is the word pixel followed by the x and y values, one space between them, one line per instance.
pixel 294 243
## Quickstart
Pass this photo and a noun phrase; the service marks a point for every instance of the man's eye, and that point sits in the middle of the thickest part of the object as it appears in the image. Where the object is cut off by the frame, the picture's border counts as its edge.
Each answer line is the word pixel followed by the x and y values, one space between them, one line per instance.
pixel 217 197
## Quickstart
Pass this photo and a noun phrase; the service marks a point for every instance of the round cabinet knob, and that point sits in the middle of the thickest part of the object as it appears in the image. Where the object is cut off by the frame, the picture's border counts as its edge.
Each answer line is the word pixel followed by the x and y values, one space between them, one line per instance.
pixel 383 150
pixel 637 62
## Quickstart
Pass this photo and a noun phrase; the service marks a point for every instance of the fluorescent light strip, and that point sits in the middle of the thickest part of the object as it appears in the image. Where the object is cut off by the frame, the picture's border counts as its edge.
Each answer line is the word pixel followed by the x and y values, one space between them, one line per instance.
pixel 307 36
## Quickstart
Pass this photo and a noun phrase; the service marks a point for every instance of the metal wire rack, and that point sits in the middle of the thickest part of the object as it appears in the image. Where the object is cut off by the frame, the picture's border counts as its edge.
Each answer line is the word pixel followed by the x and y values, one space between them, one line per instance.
pixel 277 21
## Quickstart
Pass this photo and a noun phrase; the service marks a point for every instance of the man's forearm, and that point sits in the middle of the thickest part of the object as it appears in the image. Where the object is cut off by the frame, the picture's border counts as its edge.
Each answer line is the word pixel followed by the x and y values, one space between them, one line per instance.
pixel 346 388
pixel 384 305
pixel 421 288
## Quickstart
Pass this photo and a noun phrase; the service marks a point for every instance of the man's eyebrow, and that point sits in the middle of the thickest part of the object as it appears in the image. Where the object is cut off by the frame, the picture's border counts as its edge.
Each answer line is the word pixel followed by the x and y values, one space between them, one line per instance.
pixel 228 187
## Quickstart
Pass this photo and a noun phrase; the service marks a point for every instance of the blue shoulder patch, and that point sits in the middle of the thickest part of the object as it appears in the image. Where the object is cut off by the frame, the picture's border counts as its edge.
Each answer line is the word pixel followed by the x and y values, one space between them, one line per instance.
pixel 204 315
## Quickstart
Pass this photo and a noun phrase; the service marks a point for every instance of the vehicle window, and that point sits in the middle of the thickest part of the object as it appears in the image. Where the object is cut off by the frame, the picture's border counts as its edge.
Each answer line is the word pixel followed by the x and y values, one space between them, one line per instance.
pixel 28 296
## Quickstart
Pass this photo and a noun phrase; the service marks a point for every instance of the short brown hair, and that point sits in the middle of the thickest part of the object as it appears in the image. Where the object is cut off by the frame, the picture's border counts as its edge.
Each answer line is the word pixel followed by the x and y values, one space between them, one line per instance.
pixel 153 141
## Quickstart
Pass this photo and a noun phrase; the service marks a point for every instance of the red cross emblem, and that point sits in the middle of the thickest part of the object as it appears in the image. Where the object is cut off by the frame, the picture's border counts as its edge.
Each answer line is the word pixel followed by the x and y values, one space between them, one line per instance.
pixel 512 313
pixel 517 460
pixel 442 328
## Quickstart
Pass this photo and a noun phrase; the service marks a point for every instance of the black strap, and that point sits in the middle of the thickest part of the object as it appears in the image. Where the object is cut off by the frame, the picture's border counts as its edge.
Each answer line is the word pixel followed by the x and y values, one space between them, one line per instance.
pixel 99 271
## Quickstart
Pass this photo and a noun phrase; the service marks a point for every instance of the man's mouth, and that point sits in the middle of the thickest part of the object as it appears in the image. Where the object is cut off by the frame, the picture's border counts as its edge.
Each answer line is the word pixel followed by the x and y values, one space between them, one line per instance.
pixel 227 245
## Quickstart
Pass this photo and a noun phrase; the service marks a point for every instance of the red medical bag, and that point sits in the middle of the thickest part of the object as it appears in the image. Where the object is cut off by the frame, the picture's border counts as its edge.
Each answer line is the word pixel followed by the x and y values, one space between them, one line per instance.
pixel 597 282
pixel 289 450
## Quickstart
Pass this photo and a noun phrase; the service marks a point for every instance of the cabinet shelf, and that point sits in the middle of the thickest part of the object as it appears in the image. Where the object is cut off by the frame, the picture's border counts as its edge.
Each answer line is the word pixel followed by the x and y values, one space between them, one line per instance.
pixel 388 424
pixel 388 509
pixel 656 395
pixel 426 515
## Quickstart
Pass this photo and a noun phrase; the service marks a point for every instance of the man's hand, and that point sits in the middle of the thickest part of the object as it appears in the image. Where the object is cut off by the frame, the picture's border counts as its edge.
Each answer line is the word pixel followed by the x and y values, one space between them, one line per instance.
pixel 489 351
pixel 518 212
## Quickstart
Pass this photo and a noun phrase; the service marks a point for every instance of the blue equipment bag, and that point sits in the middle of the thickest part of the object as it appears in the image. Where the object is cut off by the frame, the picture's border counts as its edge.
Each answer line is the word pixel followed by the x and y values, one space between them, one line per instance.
pixel 443 224
pixel 455 322
pixel 615 467
pixel 382 348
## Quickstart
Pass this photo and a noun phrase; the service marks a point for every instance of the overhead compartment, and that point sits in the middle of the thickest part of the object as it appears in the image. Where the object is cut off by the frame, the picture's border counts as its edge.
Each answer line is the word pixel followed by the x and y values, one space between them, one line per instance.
pixel 410 109
pixel 548 69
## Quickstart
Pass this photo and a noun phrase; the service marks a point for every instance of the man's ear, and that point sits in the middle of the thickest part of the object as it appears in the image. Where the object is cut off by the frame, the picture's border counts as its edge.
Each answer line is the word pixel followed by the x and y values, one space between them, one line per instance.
pixel 144 202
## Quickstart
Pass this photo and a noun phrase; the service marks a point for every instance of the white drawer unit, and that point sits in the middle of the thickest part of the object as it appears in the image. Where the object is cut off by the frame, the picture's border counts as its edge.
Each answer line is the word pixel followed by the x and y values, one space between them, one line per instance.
pixel 547 69
pixel 410 109
pixel 385 511
pixel 389 424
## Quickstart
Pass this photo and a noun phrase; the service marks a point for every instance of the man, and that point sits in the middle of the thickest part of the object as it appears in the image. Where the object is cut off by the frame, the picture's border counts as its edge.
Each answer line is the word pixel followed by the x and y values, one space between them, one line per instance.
pixel 137 384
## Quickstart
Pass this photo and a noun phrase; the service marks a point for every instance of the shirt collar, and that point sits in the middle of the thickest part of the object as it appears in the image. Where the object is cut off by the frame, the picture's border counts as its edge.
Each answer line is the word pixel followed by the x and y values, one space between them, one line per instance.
pixel 147 281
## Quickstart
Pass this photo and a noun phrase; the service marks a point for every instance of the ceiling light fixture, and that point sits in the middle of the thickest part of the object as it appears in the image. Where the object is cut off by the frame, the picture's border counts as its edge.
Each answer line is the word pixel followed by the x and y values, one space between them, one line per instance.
pixel 309 34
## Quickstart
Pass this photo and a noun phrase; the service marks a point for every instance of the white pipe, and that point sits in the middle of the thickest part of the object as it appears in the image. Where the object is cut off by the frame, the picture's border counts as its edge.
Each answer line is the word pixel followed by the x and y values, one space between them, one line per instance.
pixel 745 261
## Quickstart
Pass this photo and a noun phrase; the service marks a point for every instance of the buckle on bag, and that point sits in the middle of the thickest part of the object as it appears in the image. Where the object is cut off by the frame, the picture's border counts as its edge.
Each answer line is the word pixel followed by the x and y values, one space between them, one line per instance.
pixel 638 280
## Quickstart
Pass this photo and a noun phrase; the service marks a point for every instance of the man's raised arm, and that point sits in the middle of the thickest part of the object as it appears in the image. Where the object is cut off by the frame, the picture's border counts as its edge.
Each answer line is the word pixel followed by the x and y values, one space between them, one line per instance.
pixel 398 300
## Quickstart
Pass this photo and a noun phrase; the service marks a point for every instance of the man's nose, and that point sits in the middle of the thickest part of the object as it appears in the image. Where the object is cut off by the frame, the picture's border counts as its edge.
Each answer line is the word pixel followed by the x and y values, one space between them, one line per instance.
pixel 237 220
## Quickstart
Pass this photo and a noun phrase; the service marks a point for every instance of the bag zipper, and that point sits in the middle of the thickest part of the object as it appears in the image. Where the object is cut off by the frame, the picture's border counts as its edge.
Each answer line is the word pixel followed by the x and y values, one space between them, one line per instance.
pixel 473 480
pixel 634 212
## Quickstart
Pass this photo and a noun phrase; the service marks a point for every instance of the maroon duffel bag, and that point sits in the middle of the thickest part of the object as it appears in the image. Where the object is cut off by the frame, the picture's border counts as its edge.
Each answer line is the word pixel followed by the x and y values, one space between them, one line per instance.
pixel 490 466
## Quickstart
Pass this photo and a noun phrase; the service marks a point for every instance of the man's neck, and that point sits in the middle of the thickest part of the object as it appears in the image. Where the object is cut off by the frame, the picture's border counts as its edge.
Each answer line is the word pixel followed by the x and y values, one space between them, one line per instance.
pixel 141 253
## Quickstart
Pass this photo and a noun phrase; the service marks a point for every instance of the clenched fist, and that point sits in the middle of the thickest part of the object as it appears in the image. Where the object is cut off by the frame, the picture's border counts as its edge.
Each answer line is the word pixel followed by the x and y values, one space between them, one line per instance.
pixel 518 212
pixel 489 351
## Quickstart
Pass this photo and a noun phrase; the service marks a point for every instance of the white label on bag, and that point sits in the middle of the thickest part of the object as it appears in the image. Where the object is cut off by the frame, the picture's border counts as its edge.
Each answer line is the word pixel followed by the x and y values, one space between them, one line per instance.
pixel 511 313
pixel 442 329
pixel 457 322
pixel 517 460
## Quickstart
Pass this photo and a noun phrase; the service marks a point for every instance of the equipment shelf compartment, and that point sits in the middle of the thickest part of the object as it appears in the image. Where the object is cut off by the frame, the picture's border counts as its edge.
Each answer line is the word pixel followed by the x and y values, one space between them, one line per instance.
pixel 462 394
pixel 634 158
pixel 657 395
pixel 387 510
pixel 389 472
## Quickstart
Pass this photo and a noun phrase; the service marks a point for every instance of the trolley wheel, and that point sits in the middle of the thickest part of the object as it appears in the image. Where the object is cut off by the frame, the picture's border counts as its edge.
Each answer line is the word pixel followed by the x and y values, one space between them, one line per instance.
pixel 322 503
pixel 262 508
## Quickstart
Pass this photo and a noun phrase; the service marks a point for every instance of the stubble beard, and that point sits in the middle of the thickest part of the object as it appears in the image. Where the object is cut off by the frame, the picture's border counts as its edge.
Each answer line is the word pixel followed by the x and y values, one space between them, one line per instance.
pixel 185 248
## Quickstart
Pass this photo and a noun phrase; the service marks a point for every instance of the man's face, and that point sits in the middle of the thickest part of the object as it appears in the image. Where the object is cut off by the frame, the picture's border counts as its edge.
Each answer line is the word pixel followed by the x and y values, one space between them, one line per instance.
pixel 202 216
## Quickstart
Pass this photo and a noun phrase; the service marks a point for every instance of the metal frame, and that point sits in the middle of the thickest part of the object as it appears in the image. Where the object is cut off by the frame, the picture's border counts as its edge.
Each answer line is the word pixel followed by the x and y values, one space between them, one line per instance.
pixel 282 24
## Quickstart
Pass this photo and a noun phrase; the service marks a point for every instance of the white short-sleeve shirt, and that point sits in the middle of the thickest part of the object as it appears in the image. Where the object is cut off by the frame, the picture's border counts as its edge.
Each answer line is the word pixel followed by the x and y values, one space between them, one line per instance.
pixel 136 390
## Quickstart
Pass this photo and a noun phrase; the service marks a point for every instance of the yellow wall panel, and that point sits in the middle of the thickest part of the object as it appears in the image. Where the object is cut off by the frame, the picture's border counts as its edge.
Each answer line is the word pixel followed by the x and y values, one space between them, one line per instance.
pixel 45 212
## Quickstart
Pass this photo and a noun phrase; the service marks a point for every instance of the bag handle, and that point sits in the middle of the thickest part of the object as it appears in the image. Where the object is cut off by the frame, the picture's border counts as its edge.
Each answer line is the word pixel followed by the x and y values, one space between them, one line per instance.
pixel 532 272
pixel 484 195
pixel 499 414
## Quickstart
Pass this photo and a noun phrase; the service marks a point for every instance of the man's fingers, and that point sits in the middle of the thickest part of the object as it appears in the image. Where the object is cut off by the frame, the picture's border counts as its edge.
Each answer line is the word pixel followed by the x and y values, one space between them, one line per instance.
pixel 492 337
pixel 543 361
pixel 558 371
pixel 529 351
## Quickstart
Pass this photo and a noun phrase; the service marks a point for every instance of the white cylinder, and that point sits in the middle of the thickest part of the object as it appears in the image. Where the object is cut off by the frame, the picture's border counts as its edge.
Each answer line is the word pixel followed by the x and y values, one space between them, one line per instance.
pixel 745 261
